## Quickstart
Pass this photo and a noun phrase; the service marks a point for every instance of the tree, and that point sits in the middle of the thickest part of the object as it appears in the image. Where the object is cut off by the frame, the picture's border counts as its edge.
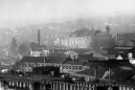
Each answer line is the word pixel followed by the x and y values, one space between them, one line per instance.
pixel 13 48
pixel 24 49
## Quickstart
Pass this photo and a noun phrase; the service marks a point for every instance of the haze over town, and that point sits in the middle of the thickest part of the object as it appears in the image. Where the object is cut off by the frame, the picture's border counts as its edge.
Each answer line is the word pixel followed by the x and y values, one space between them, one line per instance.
pixel 67 44
pixel 24 12
pixel 22 18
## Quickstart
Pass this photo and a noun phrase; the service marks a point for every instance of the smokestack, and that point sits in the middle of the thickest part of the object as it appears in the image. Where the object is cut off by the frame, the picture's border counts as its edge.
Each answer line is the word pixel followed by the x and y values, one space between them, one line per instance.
pixel 108 29
pixel 38 37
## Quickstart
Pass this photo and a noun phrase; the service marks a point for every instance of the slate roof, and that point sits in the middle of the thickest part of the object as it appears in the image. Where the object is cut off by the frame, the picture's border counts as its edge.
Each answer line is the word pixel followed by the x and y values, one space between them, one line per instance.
pixel 121 70
pixel 59 57
pixel 29 59
pixel 37 47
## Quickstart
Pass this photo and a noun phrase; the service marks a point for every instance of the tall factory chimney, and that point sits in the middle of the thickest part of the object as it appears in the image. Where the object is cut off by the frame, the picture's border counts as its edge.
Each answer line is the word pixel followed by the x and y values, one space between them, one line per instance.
pixel 108 29
pixel 38 37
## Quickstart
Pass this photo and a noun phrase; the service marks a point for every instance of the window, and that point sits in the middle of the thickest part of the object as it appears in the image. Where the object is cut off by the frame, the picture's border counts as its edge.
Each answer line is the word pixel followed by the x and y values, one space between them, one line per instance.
pixel 76 67
pixel 67 67
pixel 70 67
pixel 80 67
pixel 63 67
pixel 73 67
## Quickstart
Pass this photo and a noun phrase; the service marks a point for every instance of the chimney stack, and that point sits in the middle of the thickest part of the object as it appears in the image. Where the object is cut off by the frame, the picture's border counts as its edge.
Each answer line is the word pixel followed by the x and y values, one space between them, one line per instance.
pixel 108 29
pixel 38 37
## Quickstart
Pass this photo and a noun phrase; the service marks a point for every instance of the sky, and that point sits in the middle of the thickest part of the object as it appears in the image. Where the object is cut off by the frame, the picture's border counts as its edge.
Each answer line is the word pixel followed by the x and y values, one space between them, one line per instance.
pixel 23 12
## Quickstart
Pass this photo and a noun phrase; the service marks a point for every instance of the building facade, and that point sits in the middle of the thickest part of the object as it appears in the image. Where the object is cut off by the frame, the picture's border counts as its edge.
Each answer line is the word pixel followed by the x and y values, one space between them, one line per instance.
pixel 62 85
pixel 27 63
pixel 73 42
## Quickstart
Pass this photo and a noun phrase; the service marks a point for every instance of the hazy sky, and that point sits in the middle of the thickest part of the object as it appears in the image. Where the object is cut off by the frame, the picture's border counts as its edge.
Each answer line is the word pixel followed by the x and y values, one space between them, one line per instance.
pixel 17 12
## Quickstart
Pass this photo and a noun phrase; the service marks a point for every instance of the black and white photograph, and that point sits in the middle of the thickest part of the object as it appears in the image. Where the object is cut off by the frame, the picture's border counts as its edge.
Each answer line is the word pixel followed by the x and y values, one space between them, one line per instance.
pixel 67 44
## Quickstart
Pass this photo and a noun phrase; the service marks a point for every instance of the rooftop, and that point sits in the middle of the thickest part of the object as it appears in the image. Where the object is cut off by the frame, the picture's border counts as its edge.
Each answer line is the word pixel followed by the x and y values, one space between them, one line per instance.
pixel 121 70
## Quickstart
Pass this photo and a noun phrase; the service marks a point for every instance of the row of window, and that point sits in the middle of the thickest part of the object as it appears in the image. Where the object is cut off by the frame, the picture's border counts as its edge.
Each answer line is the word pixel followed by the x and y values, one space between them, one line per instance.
pixel 72 67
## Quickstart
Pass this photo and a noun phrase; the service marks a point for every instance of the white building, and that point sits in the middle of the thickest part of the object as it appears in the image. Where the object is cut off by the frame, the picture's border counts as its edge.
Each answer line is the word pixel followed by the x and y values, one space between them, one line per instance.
pixel 40 53
pixel 69 68
pixel 73 42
